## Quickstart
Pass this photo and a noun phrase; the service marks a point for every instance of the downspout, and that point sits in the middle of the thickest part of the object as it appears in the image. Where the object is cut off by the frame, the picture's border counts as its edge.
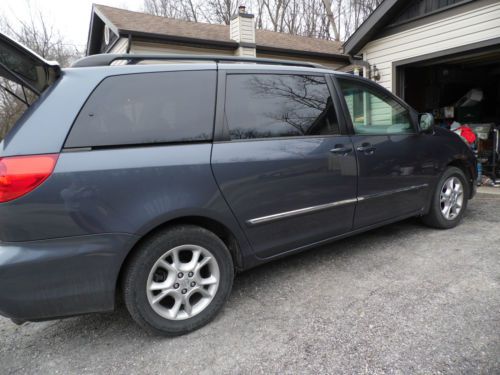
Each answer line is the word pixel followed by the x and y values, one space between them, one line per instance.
pixel 129 43
pixel 361 62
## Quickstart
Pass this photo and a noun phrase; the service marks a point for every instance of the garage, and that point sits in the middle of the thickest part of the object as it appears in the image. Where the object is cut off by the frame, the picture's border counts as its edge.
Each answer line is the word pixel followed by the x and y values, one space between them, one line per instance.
pixel 442 57
pixel 459 89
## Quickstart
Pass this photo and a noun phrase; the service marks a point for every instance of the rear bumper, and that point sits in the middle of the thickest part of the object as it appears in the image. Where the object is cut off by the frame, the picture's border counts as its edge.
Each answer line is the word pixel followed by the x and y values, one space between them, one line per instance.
pixel 60 277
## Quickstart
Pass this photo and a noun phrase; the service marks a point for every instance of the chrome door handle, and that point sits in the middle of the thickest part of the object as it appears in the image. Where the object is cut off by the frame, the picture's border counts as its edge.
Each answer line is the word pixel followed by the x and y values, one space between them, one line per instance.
pixel 367 148
pixel 341 150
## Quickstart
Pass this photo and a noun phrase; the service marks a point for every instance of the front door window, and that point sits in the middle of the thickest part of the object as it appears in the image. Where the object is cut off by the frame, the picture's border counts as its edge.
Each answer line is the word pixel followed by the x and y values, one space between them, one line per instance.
pixel 373 111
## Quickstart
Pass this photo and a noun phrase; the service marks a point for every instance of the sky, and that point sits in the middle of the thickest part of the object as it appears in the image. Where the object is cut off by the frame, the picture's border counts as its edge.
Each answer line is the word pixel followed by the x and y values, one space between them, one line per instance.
pixel 70 17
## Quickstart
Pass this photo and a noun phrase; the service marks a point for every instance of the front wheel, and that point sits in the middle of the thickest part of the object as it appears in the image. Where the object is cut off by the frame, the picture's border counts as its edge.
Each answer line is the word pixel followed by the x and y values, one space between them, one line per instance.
pixel 178 280
pixel 449 201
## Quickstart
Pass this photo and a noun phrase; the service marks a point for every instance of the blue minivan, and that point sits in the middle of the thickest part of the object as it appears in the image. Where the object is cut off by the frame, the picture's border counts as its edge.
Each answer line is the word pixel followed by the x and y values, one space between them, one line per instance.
pixel 160 177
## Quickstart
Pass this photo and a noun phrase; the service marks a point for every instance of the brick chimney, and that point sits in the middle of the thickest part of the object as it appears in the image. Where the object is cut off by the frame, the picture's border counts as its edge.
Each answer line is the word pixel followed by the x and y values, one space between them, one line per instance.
pixel 242 31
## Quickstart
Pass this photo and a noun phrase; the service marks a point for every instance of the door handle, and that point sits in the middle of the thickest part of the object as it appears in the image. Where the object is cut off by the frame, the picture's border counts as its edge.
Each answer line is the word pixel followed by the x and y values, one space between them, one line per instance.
pixel 341 150
pixel 367 148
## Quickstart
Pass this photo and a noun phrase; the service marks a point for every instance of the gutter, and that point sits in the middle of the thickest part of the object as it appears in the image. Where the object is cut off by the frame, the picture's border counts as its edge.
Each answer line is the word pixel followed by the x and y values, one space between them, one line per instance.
pixel 283 51
pixel 152 37
pixel 359 62
pixel 231 45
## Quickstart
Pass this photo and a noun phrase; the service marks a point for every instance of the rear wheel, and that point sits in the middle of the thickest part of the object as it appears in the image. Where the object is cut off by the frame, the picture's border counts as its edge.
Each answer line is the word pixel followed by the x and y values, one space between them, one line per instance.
pixel 178 280
pixel 449 201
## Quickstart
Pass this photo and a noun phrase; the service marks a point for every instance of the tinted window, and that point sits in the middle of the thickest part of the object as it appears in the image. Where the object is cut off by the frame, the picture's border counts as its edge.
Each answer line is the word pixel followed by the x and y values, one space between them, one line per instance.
pixel 147 108
pixel 374 111
pixel 271 105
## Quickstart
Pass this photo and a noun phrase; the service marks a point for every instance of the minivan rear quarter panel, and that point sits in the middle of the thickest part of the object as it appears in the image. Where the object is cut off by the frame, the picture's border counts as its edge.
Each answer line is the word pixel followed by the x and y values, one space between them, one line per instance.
pixel 88 216
pixel 117 191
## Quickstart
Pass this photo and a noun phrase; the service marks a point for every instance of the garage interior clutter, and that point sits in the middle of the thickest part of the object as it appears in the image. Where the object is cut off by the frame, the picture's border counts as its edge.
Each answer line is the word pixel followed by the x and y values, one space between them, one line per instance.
pixel 463 93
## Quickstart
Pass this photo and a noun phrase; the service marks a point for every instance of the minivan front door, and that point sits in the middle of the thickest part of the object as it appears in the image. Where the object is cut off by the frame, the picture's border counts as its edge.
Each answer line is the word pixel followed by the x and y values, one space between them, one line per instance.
pixel 283 166
pixel 394 165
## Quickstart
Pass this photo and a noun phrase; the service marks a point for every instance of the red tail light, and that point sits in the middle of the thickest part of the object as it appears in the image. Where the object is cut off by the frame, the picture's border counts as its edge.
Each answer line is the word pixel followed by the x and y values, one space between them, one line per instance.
pixel 21 174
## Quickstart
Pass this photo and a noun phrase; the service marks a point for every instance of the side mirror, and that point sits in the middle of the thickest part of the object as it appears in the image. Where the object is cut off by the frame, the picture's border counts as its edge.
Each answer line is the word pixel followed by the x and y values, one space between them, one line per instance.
pixel 425 122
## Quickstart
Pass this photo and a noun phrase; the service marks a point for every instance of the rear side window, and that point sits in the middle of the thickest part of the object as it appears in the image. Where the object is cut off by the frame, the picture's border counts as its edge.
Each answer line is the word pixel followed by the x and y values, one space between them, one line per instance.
pixel 147 108
pixel 275 105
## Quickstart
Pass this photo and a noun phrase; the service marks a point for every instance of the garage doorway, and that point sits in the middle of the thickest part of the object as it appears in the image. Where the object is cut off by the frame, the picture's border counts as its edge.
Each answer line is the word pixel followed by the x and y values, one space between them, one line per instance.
pixel 431 84
pixel 440 85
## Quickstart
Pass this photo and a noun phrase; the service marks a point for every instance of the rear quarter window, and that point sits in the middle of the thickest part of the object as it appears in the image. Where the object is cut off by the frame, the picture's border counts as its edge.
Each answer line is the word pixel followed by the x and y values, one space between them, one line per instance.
pixel 147 108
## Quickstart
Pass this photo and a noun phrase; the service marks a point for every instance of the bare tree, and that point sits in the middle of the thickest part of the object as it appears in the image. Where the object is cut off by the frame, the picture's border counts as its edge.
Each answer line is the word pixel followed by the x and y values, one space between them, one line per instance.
pixel 164 8
pixel 41 38
pixel 221 11
pixel 276 12
pixel 327 19
pixel 10 107
pixel 331 18
pixel 189 10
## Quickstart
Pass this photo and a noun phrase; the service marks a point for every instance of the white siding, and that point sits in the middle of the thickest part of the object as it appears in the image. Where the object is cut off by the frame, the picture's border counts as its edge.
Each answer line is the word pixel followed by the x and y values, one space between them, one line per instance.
pixel 329 63
pixel 165 48
pixel 381 112
pixel 469 27
pixel 120 46
pixel 242 29
pixel 246 52
pixel 153 48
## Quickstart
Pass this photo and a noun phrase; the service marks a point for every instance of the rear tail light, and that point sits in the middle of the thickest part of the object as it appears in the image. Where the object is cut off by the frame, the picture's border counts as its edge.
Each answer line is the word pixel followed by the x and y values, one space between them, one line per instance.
pixel 21 174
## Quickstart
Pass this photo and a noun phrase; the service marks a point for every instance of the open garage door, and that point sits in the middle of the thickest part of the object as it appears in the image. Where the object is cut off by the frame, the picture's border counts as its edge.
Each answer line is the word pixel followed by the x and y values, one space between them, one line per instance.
pixel 464 87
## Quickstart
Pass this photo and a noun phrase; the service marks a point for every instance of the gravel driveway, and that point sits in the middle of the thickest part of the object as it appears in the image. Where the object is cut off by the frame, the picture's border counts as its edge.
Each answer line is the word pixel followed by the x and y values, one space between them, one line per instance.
pixel 401 299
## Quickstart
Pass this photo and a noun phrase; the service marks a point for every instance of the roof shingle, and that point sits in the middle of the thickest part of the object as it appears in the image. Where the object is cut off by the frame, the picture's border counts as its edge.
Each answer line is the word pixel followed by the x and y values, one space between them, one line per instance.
pixel 129 21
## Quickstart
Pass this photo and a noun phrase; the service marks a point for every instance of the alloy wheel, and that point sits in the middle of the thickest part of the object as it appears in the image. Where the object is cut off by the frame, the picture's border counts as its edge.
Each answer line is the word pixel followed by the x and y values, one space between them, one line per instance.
pixel 451 198
pixel 183 282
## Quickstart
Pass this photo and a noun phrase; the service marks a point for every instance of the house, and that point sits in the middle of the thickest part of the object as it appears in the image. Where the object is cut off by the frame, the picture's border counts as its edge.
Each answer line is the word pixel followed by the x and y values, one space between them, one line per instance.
pixel 440 56
pixel 433 52
pixel 114 30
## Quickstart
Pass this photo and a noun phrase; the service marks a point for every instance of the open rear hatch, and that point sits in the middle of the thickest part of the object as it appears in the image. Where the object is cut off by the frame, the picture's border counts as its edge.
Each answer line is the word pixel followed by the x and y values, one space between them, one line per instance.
pixel 24 67
pixel 24 76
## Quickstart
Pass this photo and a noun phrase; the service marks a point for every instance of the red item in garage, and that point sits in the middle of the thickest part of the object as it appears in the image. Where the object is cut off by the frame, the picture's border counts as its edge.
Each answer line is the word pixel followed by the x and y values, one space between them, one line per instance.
pixel 467 133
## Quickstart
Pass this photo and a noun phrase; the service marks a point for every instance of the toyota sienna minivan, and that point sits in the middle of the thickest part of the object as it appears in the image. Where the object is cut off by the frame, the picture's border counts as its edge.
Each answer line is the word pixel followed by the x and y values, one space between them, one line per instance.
pixel 159 181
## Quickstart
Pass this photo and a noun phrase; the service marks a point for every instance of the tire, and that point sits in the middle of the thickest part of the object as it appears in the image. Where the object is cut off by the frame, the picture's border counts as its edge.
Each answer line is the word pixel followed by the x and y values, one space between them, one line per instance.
pixel 436 218
pixel 188 292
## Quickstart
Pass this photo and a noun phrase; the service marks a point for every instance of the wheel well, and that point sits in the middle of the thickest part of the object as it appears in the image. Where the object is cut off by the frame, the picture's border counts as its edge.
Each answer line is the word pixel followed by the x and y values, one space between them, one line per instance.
pixel 213 226
pixel 463 166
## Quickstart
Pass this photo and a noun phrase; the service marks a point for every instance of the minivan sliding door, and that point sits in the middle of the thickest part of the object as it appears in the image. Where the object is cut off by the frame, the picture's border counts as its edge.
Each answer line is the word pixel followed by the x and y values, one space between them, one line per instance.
pixel 282 164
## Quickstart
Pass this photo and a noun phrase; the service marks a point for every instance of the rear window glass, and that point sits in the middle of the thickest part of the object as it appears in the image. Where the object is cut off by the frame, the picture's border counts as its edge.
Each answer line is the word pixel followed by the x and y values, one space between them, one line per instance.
pixel 147 108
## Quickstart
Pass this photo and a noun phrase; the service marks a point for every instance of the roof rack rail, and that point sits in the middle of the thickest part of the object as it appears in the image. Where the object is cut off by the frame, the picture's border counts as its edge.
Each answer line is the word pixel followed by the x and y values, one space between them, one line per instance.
pixel 108 58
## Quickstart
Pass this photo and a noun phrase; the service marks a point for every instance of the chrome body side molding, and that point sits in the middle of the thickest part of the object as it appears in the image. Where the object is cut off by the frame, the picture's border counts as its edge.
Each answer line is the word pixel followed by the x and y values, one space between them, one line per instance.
pixel 391 192
pixel 300 211
pixel 307 210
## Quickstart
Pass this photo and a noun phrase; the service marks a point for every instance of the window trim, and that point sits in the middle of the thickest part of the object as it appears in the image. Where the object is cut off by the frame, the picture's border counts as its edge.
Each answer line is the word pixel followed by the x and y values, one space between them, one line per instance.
pixel 220 135
pixel 412 114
